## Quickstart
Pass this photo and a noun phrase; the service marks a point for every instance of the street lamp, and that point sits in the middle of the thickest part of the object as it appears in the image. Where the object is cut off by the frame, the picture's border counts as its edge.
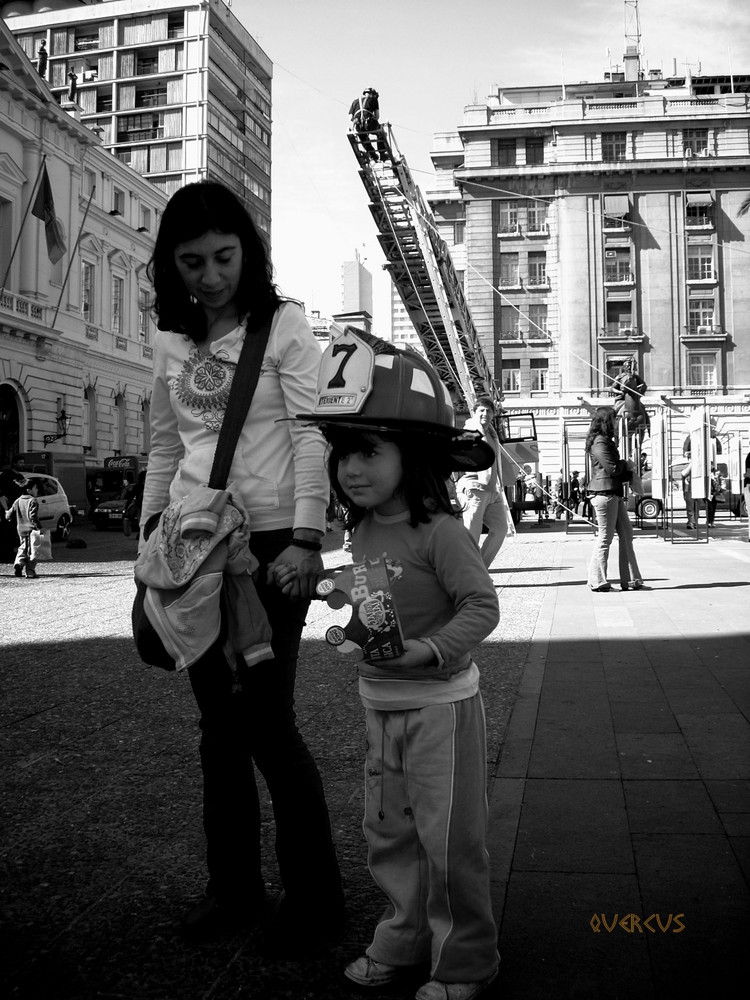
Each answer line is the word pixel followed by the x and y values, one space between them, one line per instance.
pixel 63 423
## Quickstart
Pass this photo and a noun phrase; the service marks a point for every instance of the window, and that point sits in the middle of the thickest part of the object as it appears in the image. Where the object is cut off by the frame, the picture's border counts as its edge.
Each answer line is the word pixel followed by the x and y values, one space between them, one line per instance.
pixel 619 319
pixel 536 216
pixel 145 219
pixel 175 25
pixel 539 374
pixel 537 268
pixel 104 99
pixel 505 153
pixel 89 182
pixel 511 376
pixel 614 145
pixel 144 315
pixel 538 329
pixel 459 231
pixel 508 216
pixel 534 151
pixel 150 97
pixel 510 275
pixel 88 272
pixel 509 328
pixel 695 141
pixel 617 265
pixel 700 315
pixel 118 202
pixel 698 208
pixel 700 262
pixel 118 290
pixel 702 370
pixel 616 209
pixel 146 63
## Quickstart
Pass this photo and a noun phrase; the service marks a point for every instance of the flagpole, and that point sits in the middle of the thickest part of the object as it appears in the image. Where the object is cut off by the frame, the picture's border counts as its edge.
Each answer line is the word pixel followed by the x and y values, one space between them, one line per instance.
pixel 73 252
pixel 23 220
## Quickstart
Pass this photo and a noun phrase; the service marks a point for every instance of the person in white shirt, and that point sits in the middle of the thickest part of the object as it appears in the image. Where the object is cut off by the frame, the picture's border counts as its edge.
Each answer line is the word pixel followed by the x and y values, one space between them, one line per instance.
pixel 481 493
pixel 213 286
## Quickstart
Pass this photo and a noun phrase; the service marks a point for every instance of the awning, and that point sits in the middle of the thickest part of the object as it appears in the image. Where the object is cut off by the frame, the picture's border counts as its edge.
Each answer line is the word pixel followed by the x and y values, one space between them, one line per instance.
pixel 699 197
pixel 616 204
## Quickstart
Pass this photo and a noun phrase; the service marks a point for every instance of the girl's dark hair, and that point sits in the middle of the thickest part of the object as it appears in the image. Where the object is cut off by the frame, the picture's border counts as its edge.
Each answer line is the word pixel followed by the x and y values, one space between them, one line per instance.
pixel 603 422
pixel 190 213
pixel 425 471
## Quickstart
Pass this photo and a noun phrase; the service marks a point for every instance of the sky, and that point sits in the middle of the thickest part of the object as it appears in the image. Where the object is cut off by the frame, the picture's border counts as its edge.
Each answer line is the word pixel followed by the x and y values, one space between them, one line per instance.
pixel 428 59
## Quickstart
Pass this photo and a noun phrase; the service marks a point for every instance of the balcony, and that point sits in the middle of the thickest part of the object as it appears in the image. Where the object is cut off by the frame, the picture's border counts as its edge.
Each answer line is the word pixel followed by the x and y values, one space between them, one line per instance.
pixel 537 281
pixel 511 231
pixel 707 332
pixel 702 276
pixel 618 275
pixel 620 331
pixel 704 221
pixel 510 281
pixel 537 229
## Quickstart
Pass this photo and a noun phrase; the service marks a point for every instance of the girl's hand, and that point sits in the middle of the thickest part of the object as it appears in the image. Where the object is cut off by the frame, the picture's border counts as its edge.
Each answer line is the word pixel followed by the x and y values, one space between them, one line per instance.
pixel 416 654
pixel 307 567
pixel 284 576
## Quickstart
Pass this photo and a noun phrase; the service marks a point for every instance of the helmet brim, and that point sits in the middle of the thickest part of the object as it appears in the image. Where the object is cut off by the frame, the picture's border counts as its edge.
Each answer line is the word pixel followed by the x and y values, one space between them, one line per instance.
pixel 463 450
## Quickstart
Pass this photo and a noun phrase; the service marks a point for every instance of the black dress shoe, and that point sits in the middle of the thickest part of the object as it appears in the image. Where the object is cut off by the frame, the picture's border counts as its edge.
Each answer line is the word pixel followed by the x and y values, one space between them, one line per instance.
pixel 210 919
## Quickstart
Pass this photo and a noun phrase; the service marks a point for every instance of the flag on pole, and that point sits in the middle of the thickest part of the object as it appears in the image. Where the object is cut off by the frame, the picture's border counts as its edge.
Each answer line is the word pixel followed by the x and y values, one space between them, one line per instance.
pixel 44 209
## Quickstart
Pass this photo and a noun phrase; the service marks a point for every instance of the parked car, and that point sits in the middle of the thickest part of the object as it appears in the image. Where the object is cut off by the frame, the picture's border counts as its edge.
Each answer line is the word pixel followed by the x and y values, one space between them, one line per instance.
pixel 648 507
pixel 55 512
pixel 109 513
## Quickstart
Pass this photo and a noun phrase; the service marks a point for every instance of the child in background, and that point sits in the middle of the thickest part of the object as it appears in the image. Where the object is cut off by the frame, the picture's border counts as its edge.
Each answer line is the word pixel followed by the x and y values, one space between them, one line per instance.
pixel 26 510
pixel 393 444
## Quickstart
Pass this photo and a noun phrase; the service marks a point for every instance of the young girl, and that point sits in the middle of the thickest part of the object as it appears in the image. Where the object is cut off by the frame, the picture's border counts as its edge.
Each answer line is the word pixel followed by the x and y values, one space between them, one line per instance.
pixel 392 447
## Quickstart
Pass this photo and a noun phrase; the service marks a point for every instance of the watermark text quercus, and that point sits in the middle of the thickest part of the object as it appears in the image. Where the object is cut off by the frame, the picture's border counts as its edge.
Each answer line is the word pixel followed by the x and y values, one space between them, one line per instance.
pixel 631 923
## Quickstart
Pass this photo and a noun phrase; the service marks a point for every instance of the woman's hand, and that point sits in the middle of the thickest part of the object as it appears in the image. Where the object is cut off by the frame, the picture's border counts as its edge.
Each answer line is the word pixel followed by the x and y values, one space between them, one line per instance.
pixel 296 572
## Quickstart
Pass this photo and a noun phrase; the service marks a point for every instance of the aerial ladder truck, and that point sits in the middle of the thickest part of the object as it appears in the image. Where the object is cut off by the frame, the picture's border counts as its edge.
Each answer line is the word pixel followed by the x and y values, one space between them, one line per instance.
pixel 420 265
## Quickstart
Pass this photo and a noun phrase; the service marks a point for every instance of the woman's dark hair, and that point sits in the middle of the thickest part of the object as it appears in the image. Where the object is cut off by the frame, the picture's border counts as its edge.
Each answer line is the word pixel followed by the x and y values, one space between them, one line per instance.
pixel 603 422
pixel 425 471
pixel 191 212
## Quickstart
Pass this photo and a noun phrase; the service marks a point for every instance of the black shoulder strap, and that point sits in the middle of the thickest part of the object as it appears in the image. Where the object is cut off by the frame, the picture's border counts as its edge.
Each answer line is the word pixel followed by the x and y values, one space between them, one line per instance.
pixel 240 396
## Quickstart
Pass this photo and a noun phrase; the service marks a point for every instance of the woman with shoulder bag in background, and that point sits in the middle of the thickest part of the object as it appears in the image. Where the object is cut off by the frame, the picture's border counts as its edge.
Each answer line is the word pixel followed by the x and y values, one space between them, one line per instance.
pixel 605 489
pixel 213 286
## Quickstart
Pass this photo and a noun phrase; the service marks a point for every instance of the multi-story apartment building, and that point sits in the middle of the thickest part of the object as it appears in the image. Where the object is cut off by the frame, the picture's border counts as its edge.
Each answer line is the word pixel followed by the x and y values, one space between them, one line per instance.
pixel 177 90
pixel 75 333
pixel 600 222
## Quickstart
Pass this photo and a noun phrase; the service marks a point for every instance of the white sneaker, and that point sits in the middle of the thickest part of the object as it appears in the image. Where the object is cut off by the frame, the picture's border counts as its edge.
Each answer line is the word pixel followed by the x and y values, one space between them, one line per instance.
pixel 365 971
pixel 435 990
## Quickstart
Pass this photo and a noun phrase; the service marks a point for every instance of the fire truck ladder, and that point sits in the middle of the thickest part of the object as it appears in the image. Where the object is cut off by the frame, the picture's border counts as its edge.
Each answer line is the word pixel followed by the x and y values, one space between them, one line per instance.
pixel 420 265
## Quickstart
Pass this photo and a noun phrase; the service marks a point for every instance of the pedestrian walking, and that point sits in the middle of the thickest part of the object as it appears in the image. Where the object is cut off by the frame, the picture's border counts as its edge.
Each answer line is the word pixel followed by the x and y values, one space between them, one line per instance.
pixel 25 509
pixel 605 488
pixel 212 278
pixel 481 493
pixel 426 806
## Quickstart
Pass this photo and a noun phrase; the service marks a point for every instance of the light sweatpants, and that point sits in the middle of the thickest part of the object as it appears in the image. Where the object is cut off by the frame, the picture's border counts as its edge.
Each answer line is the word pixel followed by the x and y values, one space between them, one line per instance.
pixel 426 824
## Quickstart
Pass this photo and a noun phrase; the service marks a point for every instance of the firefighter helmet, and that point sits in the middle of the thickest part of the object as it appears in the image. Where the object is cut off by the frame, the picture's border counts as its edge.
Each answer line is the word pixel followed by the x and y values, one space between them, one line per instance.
pixel 368 384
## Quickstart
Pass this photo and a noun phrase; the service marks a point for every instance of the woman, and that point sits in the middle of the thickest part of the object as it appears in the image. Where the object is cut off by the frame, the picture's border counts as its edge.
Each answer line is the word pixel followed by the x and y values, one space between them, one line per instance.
pixel 212 280
pixel 605 488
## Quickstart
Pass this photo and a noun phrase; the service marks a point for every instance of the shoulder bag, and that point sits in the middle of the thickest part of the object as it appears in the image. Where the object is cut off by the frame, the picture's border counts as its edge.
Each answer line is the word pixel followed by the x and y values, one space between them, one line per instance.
pixel 147 642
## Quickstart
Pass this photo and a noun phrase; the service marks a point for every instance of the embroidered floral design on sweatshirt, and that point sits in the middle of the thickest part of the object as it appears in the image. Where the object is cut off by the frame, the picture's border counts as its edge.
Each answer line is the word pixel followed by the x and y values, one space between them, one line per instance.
pixel 203 386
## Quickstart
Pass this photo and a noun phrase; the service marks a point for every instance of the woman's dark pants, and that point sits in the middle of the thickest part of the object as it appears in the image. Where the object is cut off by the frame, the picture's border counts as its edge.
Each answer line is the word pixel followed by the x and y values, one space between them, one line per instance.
pixel 256 725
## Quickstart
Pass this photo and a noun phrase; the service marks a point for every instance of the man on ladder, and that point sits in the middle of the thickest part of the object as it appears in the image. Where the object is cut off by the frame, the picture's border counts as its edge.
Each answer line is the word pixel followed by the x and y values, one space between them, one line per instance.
pixel 365 116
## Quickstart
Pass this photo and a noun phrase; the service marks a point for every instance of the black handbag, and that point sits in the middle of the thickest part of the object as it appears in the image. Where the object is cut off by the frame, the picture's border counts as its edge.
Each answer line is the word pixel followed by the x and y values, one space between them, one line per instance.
pixel 148 643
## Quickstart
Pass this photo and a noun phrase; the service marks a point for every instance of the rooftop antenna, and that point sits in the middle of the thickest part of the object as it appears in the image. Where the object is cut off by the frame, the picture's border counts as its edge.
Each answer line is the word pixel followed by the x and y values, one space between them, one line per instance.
pixel 633 30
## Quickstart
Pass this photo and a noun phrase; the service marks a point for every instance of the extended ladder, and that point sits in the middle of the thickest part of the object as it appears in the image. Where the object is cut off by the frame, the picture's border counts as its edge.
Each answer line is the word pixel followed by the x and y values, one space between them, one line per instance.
pixel 420 265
